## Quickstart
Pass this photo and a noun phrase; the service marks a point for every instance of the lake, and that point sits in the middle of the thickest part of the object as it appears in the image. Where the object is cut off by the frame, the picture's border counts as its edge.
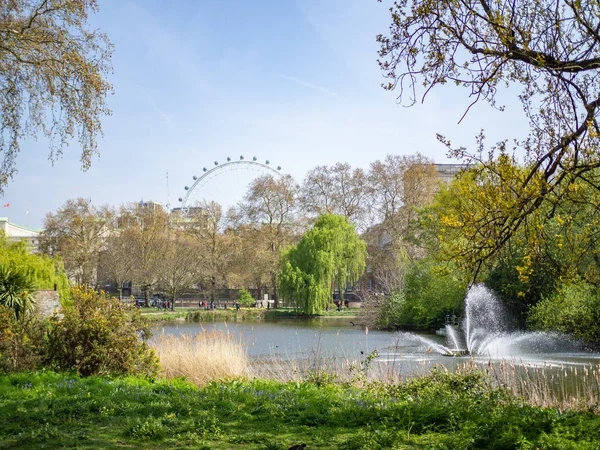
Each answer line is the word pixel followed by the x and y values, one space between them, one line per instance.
pixel 301 339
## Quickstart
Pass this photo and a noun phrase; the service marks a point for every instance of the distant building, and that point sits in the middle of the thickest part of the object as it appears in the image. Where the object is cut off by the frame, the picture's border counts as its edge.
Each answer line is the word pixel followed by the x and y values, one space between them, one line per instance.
pixel 16 233
pixel 446 172
pixel 150 205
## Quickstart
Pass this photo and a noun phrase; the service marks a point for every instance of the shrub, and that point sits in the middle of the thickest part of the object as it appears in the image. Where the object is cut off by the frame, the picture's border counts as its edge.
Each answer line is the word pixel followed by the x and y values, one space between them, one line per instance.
pixel 42 270
pixel 20 341
pixel 246 298
pixel 99 335
pixel 432 291
pixel 16 291
pixel 573 309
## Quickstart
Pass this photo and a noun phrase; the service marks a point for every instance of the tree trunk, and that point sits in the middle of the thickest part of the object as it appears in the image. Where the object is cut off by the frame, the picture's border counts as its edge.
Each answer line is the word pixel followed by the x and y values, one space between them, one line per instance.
pixel 274 281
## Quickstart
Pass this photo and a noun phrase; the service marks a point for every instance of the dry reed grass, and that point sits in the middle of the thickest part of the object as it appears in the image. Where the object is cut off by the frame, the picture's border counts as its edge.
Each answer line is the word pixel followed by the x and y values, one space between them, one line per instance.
pixel 550 385
pixel 204 357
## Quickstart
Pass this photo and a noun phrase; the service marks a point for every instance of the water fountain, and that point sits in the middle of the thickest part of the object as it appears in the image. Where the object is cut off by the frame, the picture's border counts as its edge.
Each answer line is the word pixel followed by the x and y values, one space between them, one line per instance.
pixel 484 332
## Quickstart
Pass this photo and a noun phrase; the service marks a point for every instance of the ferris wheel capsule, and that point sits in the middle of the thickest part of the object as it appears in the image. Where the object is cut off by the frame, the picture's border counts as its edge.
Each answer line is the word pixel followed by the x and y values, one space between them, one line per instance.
pixel 278 167
pixel 187 188
pixel 204 169
pixel 241 157
pixel 180 199
pixel 228 159
pixel 216 163
pixel 194 177
pixel 254 158
pixel 267 161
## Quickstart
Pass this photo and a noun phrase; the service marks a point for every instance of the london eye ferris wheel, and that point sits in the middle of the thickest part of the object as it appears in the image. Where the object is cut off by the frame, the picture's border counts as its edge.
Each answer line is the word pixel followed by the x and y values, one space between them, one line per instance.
pixel 225 183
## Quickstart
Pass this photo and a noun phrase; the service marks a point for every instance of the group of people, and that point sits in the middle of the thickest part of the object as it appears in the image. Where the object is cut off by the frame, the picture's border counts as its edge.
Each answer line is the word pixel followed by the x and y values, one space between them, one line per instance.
pixel 212 305
pixel 339 304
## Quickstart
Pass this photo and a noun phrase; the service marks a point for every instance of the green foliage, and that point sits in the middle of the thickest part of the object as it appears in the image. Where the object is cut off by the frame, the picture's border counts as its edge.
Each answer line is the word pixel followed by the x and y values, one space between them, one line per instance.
pixel 478 46
pixel 441 411
pixel 392 310
pixel 246 298
pixel 43 271
pixel 432 291
pixel 99 335
pixel 330 254
pixel 477 223
pixel 514 293
pixel 16 291
pixel 573 309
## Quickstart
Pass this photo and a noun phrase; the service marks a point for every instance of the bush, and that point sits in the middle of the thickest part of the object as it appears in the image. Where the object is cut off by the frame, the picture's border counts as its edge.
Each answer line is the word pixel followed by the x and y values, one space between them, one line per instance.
pixel 246 298
pixel 99 335
pixel 20 341
pixel 431 293
pixel 16 291
pixel 573 309
pixel 43 271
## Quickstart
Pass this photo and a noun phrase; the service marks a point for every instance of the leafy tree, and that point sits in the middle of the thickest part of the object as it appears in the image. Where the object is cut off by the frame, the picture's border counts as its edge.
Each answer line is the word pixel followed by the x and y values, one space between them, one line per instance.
pixel 76 233
pixel 246 298
pixel 43 271
pixel 433 290
pixel 573 309
pixel 269 208
pixel 52 77
pixel 330 254
pixel 548 49
pixel 560 238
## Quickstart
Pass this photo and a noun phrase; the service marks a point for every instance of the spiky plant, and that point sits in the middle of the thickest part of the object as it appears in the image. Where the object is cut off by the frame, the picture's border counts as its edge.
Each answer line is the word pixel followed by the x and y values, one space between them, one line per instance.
pixel 16 291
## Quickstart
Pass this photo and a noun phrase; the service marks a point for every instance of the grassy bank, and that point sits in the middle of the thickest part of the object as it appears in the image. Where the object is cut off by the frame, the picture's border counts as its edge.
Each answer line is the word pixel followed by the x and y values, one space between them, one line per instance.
pixel 441 411
pixel 233 315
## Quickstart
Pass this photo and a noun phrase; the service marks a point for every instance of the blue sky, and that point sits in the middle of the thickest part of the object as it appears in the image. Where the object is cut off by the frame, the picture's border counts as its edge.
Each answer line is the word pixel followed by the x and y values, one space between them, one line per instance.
pixel 292 81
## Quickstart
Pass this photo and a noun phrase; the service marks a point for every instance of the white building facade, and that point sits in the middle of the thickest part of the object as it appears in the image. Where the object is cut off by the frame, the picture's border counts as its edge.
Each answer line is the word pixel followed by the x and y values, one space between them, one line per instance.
pixel 15 233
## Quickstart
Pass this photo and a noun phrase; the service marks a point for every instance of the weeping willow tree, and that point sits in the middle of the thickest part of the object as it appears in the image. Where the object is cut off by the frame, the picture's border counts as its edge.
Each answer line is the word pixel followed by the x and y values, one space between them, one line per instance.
pixel 43 271
pixel 330 254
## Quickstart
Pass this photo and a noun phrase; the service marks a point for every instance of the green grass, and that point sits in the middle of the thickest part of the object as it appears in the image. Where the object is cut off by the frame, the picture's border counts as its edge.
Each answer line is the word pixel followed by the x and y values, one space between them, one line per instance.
pixel 275 313
pixel 231 315
pixel 154 315
pixel 442 411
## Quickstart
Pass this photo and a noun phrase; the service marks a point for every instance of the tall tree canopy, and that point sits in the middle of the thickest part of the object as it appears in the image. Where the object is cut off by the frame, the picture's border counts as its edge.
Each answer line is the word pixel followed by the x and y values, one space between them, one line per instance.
pixel 52 77
pixel 550 49
pixel 76 233
pixel 330 254
pixel 217 247
pixel 336 189
pixel 269 206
